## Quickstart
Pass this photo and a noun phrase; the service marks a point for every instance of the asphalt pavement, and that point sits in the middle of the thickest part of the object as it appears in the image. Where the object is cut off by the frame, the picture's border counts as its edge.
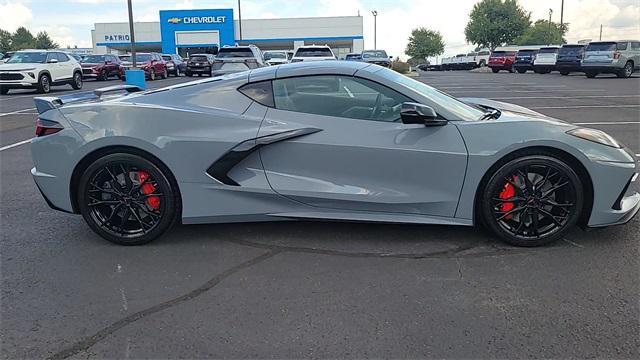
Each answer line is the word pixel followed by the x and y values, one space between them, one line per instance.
pixel 321 289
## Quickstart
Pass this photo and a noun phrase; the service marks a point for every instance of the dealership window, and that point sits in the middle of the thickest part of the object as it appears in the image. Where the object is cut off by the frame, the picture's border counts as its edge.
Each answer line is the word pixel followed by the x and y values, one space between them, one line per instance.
pixel 338 96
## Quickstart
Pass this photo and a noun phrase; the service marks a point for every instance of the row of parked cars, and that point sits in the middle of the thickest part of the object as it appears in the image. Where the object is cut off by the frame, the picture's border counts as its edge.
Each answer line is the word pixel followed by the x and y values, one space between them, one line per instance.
pixel 41 69
pixel 621 58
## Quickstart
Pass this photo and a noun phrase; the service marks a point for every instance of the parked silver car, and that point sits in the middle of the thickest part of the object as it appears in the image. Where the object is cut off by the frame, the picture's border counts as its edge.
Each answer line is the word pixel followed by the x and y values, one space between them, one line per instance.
pixel 612 57
pixel 233 59
pixel 332 140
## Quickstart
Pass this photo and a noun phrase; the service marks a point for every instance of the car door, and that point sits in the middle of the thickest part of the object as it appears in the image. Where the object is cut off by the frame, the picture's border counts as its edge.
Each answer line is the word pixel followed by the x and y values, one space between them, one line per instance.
pixel 348 149
pixel 67 65
pixel 635 53
pixel 54 66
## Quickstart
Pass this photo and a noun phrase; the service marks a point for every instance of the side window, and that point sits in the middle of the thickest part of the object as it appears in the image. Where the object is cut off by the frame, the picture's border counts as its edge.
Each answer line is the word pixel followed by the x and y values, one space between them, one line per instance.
pixel 621 46
pixel 51 56
pixel 338 96
pixel 260 92
pixel 62 57
pixel 635 45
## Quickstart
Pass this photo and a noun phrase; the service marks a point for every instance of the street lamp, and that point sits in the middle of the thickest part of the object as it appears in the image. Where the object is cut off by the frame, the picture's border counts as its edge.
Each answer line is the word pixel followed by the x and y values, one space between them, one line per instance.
pixel 375 29
pixel 132 37
pixel 240 19
pixel 561 14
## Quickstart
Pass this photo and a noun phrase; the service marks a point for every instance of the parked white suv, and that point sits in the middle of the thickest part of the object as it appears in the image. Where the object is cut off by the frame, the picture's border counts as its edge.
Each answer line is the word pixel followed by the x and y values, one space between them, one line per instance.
pixel 313 53
pixel 39 69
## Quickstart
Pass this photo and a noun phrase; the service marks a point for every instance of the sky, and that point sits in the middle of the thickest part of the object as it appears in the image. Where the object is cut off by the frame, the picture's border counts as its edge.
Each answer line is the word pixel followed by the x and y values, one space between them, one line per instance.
pixel 69 22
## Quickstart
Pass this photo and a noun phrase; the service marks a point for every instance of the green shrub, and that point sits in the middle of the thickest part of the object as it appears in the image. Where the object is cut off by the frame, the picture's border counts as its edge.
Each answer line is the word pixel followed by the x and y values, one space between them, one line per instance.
pixel 400 66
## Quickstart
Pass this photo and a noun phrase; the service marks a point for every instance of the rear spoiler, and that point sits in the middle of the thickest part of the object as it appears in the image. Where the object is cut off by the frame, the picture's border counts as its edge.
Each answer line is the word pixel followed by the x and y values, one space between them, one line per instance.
pixel 47 103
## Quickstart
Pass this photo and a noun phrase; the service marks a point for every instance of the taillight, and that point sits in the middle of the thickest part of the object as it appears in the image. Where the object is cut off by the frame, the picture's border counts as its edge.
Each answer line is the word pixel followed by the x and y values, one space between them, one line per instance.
pixel 616 55
pixel 47 127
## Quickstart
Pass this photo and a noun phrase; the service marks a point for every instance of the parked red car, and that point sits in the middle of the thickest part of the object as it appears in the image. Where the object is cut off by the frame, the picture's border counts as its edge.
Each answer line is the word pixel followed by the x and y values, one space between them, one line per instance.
pixel 101 67
pixel 502 60
pixel 152 64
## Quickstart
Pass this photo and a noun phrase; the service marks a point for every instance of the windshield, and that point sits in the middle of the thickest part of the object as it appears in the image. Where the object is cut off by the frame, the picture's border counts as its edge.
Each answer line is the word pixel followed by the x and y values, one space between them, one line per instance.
pixel 350 57
pixel 200 58
pixel 314 52
pixel 139 58
pixel 274 55
pixel 167 58
pixel 457 108
pixel 28 57
pixel 571 50
pixel 235 53
pixel 374 54
pixel 94 59
pixel 607 46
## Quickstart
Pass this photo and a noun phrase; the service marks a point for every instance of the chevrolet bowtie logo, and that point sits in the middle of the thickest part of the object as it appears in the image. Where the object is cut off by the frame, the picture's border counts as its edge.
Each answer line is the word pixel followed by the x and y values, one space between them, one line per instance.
pixel 174 20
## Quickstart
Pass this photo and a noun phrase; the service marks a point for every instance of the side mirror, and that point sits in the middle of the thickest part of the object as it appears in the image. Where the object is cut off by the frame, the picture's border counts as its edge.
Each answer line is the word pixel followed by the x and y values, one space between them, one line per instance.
pixel 414 113
pixel 52 61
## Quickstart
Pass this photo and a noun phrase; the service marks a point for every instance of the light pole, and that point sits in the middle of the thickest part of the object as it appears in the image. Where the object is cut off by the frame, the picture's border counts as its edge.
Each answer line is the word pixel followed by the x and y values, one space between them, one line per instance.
pixel 375 29
pixel 561 14
pixel 240 19
pixel 132 37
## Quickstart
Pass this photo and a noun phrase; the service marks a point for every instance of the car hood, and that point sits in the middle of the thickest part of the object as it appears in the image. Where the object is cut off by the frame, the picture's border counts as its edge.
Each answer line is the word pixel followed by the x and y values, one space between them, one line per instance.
pixel 20 66
pixel 502 106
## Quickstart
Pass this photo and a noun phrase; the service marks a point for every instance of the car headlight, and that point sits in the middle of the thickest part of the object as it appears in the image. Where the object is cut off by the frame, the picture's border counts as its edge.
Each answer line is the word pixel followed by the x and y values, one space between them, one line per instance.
pixel 596 136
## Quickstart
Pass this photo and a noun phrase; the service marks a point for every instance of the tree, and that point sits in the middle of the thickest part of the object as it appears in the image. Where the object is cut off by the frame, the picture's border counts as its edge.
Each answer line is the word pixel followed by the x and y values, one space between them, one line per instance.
pixel 424 43
pixel 496 22
pixel 43 41
pixel 5 41
pixel 543 34
pixel 22 39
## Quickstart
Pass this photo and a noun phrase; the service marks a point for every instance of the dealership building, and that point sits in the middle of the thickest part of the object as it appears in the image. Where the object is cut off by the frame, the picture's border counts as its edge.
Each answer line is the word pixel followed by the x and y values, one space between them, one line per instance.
pixel 205 30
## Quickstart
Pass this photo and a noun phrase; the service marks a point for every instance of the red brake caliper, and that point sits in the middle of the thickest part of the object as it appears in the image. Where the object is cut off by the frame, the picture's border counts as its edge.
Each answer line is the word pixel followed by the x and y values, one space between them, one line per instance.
pixel 148 188
pixel 508 191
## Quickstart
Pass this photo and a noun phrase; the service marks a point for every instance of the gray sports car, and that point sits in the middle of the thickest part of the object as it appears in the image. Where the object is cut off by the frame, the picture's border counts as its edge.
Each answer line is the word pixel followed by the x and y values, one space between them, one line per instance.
pixel 323 140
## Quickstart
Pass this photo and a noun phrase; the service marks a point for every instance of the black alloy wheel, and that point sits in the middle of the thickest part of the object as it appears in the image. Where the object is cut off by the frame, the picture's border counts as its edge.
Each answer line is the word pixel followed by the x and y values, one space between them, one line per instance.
pixel 127 199
pixel 532 201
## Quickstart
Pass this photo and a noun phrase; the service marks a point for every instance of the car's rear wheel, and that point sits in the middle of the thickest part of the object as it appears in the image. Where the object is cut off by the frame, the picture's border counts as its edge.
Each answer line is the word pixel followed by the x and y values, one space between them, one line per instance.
pixel 495 71
pixel 522 71
pixel 127 199
pixel 626 71
pixel 4 91
pixel 564 73
pixel 165 74
pixel 76 82
pixel 103 75
pixel 590 74
pixel 532 200
pixel 44 84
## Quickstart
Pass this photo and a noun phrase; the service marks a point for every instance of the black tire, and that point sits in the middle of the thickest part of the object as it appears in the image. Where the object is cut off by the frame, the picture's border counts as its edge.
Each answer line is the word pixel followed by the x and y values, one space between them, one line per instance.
pixel 564 73
pixel 495 71
pixel 482 63
pixel 544 206
pixel 44 84
pixel 76 83
pixel 591 74
pixel 152 74
pixel 117 208
pixel 626 71
pixel 188 73
pixel 103 75
pixel 4 91
pixel 522 71
pixel 165 74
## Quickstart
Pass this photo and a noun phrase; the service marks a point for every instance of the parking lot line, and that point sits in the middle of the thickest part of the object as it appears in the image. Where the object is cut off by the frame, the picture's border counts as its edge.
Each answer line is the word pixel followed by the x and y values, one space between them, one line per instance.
pixel 16 112
pixel 608 123
pixel 14 145
pixel 564 97
pixel 492 86
pixel 584 106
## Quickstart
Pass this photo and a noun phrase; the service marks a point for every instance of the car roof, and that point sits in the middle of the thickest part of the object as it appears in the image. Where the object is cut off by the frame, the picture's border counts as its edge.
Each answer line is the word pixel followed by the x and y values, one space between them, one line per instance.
pixel 328 67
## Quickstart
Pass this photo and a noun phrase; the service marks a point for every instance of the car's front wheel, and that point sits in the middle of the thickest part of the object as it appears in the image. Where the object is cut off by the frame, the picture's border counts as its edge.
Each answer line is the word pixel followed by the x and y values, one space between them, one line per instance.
pixel 495 71
pixel 44 84
pixel 532 200
pixel 152 75
pixel 591 74
pixel 76 82
pixel 127 199
pixel 4 91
